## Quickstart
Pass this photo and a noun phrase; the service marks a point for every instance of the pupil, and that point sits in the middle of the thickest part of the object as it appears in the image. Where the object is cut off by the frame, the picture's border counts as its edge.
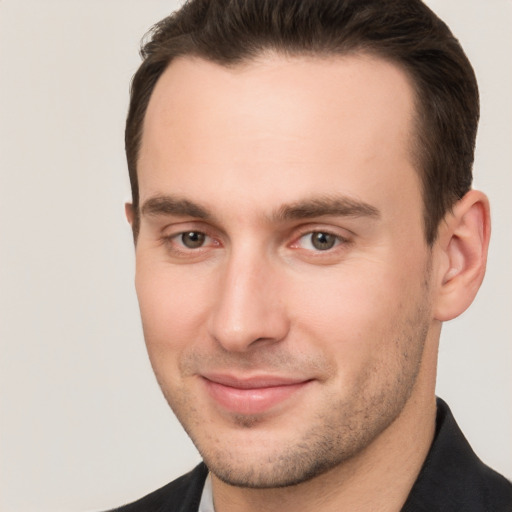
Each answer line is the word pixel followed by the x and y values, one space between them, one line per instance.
pixel 323 241
pixel 192 239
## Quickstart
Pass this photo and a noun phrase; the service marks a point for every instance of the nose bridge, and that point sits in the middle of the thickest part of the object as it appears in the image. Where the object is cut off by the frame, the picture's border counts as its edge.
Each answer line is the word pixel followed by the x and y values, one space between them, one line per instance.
pixel 248 308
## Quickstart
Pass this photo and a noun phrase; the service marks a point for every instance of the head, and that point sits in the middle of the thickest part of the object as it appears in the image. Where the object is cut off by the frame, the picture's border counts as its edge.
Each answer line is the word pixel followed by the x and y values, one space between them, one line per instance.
pixel 298 241
pixel 404 32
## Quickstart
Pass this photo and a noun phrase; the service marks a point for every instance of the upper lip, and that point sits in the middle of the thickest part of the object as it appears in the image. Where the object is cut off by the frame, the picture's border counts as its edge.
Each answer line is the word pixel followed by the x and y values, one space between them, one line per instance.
pixel 253 382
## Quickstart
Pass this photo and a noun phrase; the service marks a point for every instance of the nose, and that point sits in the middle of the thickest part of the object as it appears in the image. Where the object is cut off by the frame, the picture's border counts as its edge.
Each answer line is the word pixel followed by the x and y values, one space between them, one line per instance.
pixel 249 310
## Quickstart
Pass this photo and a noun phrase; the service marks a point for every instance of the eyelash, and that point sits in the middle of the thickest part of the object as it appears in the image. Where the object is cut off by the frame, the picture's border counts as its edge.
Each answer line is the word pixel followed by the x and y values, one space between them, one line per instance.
pixel 175 244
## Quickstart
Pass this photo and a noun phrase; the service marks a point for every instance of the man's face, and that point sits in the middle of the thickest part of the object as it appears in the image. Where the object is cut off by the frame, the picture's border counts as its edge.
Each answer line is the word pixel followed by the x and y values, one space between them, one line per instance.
pixel 282 272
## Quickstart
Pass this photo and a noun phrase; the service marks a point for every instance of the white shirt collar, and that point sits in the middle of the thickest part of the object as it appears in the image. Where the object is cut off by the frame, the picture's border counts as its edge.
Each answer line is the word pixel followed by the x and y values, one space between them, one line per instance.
pixel 206 504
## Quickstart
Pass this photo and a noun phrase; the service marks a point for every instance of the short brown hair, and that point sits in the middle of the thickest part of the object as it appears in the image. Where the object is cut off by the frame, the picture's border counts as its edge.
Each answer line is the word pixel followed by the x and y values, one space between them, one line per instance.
pixel 405 32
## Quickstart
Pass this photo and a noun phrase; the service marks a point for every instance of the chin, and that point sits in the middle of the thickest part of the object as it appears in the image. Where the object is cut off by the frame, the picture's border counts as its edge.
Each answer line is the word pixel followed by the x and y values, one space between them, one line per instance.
pixel 272 474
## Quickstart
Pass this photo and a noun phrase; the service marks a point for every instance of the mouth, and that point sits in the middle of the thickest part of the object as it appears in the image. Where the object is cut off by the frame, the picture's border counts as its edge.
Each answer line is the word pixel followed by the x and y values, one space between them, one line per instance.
pixel 253 395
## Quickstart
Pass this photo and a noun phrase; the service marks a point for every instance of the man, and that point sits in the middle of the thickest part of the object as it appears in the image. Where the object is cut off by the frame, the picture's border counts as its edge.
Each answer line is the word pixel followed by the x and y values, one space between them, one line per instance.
pixel 304 222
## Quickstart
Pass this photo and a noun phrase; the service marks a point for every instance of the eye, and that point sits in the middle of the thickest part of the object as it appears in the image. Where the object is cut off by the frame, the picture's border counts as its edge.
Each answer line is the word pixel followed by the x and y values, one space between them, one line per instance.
pixel 318 241
pixel 192 239
pixel 188 245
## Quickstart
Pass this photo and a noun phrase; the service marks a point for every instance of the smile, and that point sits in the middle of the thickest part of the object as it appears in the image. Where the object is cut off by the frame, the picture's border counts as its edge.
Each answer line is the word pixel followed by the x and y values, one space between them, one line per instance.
pixel 255 395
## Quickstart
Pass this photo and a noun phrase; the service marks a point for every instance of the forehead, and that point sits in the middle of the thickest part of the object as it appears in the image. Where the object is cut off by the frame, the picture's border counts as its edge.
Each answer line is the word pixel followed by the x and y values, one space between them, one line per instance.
pixel 278 127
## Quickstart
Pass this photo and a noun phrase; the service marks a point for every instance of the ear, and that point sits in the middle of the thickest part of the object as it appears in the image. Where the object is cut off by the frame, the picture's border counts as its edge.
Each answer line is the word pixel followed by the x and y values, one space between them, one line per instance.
pixel 130 214
pixel 132 218
pixel 462 244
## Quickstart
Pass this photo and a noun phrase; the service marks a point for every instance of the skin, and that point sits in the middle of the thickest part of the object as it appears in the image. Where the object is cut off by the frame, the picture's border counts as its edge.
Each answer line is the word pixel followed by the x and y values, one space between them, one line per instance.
pixel 251 161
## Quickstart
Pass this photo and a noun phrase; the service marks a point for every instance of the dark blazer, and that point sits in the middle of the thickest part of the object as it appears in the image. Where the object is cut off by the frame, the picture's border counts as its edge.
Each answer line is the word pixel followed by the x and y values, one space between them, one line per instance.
pixel 453 479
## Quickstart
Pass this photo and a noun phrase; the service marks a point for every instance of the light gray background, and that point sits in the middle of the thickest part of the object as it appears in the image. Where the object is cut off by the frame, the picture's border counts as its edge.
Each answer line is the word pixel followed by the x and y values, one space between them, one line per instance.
pixel 83 424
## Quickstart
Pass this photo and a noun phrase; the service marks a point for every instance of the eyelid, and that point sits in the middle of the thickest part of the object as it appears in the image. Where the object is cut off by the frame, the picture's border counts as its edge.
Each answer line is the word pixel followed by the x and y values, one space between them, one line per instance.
pixel 341 233
pixel 178 228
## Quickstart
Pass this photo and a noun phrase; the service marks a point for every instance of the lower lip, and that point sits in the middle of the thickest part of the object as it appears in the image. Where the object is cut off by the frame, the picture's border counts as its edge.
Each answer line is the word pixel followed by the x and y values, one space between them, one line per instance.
pixel 254 400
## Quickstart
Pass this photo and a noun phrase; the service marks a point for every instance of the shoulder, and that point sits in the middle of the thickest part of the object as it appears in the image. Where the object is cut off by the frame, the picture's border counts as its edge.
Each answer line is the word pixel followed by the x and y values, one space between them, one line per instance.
pixel 498 489
pixel 182 494
pixel 453 478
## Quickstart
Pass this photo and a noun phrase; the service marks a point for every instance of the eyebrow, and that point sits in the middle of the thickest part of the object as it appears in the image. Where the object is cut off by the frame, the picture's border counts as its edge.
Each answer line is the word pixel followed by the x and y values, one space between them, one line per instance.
pixel 340 206
pixel 169 205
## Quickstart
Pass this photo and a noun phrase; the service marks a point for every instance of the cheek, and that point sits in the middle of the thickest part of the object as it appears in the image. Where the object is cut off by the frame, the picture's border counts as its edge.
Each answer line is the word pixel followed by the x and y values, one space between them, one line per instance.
pixel 355 315
pixel 343 300
pixel 173 310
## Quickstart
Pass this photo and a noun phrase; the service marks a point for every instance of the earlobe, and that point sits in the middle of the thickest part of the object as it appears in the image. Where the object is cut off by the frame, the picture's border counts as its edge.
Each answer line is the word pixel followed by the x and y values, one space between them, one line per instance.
pixel 463 243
